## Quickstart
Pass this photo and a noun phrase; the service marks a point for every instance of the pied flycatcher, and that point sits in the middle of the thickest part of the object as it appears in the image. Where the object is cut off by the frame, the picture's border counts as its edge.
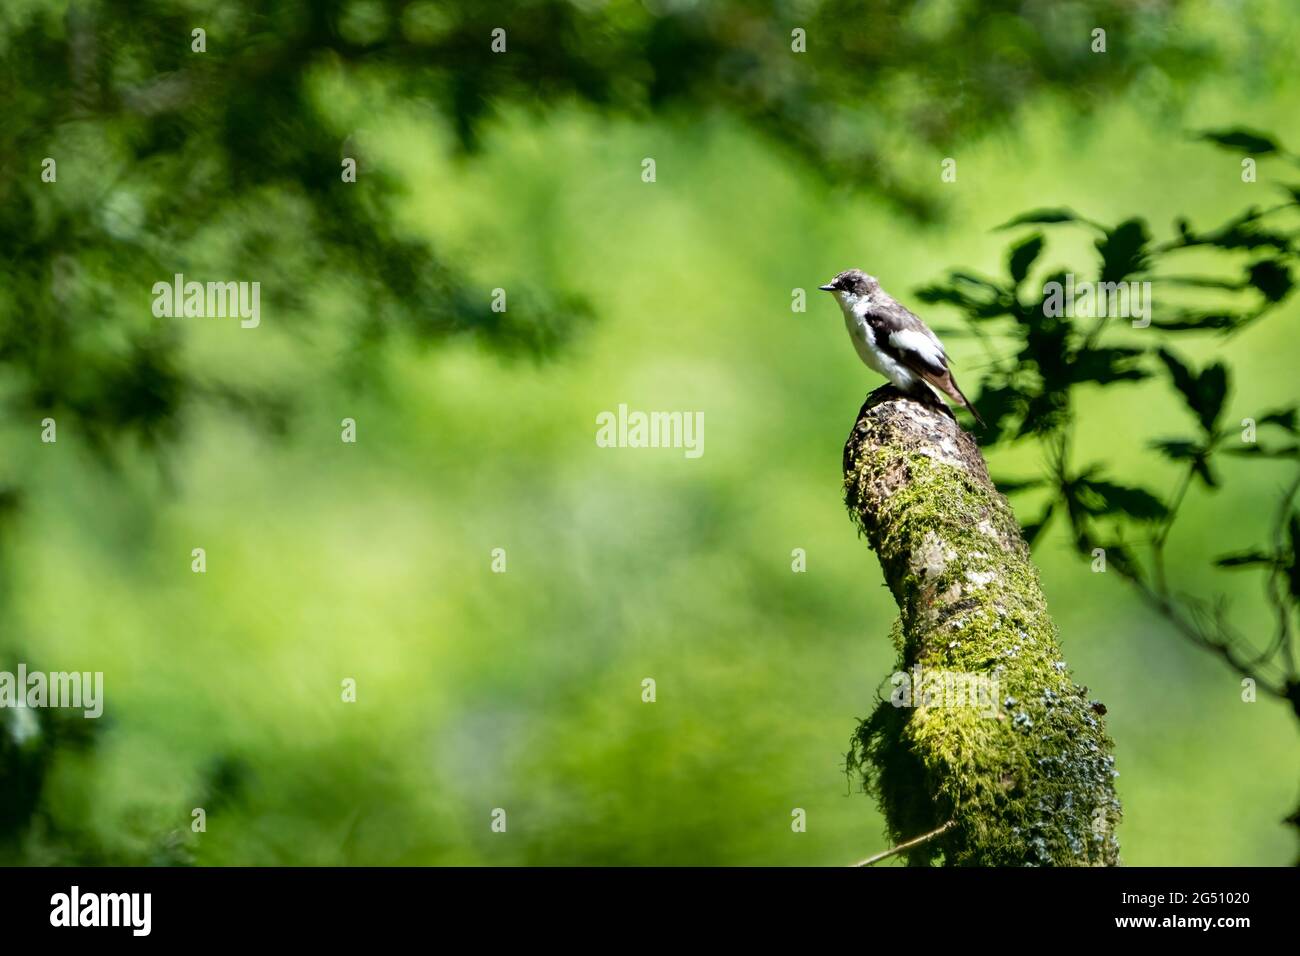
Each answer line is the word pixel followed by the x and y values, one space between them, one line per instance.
pixel 893 341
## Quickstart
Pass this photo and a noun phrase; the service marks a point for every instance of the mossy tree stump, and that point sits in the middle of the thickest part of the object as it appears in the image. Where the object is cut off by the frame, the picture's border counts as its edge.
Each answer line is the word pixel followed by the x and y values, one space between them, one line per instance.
pixel 1030 782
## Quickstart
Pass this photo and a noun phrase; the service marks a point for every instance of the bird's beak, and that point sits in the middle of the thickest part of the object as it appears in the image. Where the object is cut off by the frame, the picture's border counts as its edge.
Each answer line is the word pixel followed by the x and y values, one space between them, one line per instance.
pixel 827 288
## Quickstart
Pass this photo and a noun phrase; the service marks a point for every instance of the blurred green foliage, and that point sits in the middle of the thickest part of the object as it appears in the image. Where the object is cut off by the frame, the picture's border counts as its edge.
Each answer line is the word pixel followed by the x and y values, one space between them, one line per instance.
pixel 521 171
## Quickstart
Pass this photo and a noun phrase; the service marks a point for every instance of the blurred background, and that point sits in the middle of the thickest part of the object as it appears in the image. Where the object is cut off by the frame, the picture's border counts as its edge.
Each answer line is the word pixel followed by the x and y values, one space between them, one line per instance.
pixel 523 170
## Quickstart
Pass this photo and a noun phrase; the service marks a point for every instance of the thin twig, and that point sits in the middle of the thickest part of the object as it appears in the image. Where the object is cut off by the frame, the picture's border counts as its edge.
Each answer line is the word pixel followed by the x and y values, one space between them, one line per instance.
pixel 917 841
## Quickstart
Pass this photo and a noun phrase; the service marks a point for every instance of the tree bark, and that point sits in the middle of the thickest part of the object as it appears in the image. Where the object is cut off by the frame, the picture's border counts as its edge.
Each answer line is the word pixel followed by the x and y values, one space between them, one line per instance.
pixel 987 729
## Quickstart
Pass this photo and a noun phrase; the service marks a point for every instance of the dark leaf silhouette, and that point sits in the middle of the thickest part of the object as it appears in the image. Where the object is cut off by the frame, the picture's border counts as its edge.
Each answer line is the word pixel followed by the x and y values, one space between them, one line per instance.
pixel 1200 282
pixel 1046 412
pixel 946 293
pixel 1204 393
pixel 1123 250
pixel 1108 365
pixel 979 298
pixel 1283 418
pixel 1244 140
pixel 1033 530
pixel 1105 498
pixel 1023 256
pixel 1178 449
pixel 1120 557
pixel 1264 451
pixel 1243 232
pixel 1245 559
pixel 1009 486
pixel 1042 216
pixel 1191 321
pixel 1293 566
pixel 996 404
pixel 1271 278
pixel 1201 468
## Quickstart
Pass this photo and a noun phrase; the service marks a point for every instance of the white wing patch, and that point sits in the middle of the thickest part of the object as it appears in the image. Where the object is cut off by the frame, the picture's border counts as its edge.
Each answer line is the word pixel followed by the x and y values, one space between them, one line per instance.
pixel 910 340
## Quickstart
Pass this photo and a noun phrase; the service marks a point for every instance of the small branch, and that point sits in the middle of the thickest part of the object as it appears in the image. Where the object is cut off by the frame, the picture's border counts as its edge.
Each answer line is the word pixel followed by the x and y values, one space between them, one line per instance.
pixel 1162 535
pixel 923 838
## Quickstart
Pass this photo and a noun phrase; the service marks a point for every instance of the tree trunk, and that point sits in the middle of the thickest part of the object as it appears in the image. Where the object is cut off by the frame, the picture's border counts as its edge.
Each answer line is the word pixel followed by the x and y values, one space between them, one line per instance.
pixel 986 729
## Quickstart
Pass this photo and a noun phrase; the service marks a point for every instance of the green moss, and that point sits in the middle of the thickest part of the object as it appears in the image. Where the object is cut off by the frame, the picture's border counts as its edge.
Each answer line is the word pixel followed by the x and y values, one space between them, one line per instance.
pixel 1032 785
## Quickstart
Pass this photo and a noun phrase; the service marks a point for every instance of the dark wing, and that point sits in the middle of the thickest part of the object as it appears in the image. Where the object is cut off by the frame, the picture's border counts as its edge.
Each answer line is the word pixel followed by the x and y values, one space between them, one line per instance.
pixel 902 336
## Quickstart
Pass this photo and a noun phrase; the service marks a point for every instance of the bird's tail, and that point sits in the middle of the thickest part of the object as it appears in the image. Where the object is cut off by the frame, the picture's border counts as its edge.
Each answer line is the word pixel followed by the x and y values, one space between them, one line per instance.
pixel 948 385
pixel 969 407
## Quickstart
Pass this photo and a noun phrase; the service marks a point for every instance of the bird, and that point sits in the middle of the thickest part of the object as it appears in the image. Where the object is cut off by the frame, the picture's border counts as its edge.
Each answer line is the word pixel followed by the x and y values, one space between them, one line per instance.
pixel 893 341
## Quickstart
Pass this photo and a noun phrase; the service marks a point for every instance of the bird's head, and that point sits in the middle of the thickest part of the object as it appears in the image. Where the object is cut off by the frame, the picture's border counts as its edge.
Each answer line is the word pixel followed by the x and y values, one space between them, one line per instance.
pixel 852 286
